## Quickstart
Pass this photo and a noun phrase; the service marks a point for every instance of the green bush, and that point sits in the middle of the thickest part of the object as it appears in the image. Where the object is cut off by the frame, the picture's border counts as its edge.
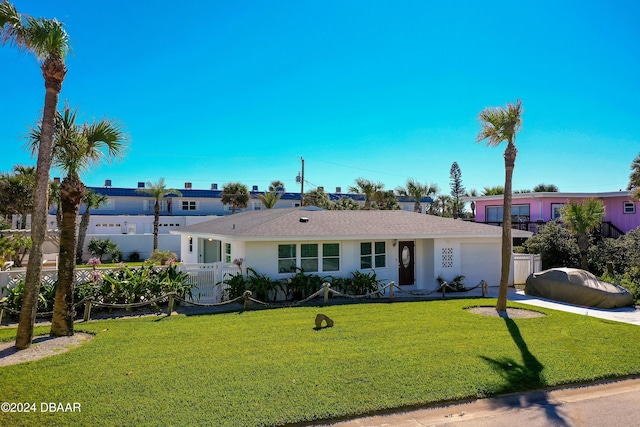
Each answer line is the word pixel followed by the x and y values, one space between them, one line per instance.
pixel 161 257
pixel 99 248
pixel 557 248
pixel 358 284
pixel 629 281
pixel 13 300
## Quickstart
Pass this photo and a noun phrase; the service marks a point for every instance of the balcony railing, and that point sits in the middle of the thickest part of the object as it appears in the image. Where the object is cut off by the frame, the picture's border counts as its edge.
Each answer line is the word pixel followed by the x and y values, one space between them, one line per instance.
pixel 607 228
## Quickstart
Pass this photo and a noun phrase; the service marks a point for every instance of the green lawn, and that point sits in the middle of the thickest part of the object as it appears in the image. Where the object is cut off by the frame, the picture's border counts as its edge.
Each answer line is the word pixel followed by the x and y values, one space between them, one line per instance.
pixel 271 367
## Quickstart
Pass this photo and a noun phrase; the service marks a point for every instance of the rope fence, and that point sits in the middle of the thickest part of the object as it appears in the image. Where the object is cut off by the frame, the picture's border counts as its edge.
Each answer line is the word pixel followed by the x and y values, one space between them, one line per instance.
pixel 247 297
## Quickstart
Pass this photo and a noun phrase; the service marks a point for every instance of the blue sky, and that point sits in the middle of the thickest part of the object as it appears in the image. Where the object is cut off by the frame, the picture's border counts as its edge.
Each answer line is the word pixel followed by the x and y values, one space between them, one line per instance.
pixel 220 91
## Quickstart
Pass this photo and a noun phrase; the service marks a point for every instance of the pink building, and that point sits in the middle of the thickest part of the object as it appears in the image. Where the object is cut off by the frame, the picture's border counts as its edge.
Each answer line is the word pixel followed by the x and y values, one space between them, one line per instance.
pixel 622 213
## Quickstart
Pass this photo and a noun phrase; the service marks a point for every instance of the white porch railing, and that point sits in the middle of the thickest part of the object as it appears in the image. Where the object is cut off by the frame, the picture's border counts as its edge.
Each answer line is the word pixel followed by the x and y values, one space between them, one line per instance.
pixel 524 265
pixel 204 277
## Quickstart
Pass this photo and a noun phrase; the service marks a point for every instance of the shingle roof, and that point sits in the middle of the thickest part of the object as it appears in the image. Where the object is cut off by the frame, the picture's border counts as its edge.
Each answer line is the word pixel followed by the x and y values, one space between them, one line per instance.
pixel 313 223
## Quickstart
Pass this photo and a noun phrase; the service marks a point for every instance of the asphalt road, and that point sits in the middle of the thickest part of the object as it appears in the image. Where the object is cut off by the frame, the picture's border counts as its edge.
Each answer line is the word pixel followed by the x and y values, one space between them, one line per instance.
pixel 610 404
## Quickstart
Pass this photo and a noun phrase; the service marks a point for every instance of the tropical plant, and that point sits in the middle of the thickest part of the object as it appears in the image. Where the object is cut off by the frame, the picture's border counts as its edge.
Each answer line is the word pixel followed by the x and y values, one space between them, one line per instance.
pixel 499 125
pixel 236 195
pixel 493 191
pixel 15 295
pixel 634 178
pixel 442 205
pixel 385 200
pixel 301 285
pixel 457 189
pixel 277 186
pixel 47 39
pixel 582 218
pixel 55 199
pixel 358 284
pixel 91 200
pixel 157 190
pixel 76 148
pixel 269 199
pixel 417 192
pixel 545 188
pixel 16 192
pixel 100 248
pixel 366 188
pixel 162 257
pixel 345 204
pixel 555 245
pixel 317 197
pixel 14 248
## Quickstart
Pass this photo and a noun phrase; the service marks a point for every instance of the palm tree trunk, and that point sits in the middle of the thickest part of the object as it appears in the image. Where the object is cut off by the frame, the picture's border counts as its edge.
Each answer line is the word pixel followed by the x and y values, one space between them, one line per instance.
pixel 24 335
pixel 505 270
pixel 71 192
pixel 583 246
pixel 82 234
pixel 156 222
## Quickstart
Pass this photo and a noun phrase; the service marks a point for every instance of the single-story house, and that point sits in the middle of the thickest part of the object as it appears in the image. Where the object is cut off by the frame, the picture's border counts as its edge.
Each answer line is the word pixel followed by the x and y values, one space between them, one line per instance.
pixel 411 249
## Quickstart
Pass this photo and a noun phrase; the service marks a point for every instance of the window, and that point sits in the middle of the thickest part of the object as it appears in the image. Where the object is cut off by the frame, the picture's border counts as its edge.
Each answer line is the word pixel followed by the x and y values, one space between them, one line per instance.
pixel 373 255
pixel 330 257
pixel 189 205
pixel 190 244
pixel 150 205
pixel 556 209
pixel 310 257
pixel 227 252
pixel 286 258
pixel 629 208
pixel 518 213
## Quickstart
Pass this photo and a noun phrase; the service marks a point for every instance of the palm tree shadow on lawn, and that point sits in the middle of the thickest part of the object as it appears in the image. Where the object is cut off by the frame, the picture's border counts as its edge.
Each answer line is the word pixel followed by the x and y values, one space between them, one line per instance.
pixel 527 375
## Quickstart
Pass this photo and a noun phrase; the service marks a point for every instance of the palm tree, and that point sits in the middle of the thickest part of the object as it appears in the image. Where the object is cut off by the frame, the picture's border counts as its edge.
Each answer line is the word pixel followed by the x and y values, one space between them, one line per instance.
pixel 416 191
pixel 269 198
pixel 498 125
pixel 472 193
pixel 54 199
pixel 76 148
pixel 317 197
pixel 48 40
pixel 157 190
pixel 235 194
pixel 91 200
pixel 276 186
pixel 493 191
pixel 443 204
pixel 367 188
pixel 582 218
pixel 634 178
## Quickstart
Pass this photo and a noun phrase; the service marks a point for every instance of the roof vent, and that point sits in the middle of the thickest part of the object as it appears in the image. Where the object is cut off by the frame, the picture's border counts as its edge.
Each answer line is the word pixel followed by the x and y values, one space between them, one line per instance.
pixel 140 184
pixel 304 219
pixel 214 186
pixel 255 188
pixel 187 186
pixel 107 183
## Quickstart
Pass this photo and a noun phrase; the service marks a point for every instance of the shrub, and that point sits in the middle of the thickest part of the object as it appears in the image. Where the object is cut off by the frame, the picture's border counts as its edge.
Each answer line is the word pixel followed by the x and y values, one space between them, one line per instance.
pixel 46 296
pixel 301 285
pixel 100 248
pixel 134 256
pixel 557 248
pixel 161 257
pixel 358 284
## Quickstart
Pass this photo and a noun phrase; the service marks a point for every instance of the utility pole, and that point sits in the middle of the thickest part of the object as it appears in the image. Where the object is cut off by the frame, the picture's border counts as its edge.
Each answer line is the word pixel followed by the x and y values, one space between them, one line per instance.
pixel 302 184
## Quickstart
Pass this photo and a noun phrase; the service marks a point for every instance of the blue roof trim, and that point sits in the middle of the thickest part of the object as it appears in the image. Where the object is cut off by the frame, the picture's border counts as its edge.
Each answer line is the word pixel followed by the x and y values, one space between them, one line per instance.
pixel 217 194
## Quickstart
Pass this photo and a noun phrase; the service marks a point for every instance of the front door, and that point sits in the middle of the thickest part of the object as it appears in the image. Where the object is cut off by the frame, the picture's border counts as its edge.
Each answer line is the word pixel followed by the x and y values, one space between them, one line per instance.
pixel 406 272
